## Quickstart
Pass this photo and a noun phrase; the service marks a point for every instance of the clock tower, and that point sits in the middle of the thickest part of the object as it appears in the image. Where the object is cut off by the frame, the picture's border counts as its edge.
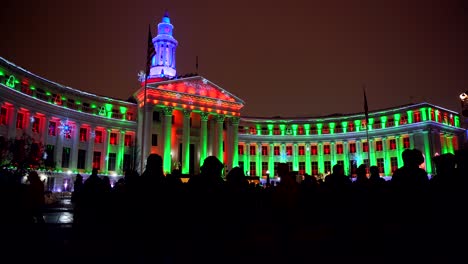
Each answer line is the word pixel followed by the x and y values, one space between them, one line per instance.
pixel 163 64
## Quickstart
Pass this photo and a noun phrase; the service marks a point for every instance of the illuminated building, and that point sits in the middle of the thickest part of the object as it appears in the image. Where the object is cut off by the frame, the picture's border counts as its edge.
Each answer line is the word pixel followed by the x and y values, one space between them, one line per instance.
pixel 188 118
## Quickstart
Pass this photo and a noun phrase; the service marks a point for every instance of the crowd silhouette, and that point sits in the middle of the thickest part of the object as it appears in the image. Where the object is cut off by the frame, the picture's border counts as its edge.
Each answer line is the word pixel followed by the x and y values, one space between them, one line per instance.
pixel 155 218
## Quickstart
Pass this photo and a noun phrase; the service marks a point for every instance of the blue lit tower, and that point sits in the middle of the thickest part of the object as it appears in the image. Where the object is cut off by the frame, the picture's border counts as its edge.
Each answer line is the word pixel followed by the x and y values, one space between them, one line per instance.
pixel 163 63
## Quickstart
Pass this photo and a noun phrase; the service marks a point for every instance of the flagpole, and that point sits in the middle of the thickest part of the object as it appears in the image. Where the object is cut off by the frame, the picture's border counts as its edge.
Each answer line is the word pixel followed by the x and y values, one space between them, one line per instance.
pixel 366 113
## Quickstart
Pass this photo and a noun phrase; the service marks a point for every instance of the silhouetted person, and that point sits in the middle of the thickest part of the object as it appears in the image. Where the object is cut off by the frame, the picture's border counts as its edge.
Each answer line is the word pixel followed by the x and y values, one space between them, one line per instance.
pixel 77 188
pixel 337 179
pixel 36 196
pixel 374 178
pixel 361 177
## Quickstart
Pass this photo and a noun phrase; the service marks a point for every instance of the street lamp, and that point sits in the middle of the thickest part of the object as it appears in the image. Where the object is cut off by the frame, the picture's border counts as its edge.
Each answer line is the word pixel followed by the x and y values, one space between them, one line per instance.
pixel 464 103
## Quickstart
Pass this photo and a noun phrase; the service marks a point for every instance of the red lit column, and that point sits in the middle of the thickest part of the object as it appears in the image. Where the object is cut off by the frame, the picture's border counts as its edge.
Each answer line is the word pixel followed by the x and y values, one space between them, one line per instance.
pixel 219 137
pixel 12 122
pixel 167 157
pixel 186 142
pixel 105 166
pixel 203 136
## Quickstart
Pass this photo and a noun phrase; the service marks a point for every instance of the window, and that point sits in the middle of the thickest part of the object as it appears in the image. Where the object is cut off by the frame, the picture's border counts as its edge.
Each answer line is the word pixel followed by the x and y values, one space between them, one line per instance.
pixel 353 166
pixel 394 164
pixel 111 159
pixel 128 140
pixel 20 120
pixel 276 150
pixel 49 153
pixel 241 165
pixel 253 131
pixel 98 136
pixel 406 142
pixel 154 140
pixel 417 117
pixel 432 115
pixel 325 130
pixel 365 147
pixel 83 133
pixel 129 115
pixel 3 116
pixel 326 149
pixel 403 120
pixel 36 124
pixel 113 139
pixel 240 149
pixel 379 145
pixel 313 150
pixel 265 150
pixel 339 148
pixel 327 166
pixel 315 168
pixel 253 170
pixel 301 150
pixel 264 168
pixel 81 159
pixel 301 168
pixel 350 127
pixel 276 131
pixel 290 166
pixel 97 160
pixel 156 116
pixel 66 157
pixel 289 150
pixel 52 128
pixel 252 150
pixel 380 165
pixel 392 144
pixel 300 130
pixel 352 147
pixel 275 166
pixel 341 163
pixel 127 159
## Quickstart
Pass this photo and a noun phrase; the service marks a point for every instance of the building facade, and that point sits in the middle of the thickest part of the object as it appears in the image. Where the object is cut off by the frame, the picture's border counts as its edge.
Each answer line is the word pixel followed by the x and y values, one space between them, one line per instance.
pixel 187 118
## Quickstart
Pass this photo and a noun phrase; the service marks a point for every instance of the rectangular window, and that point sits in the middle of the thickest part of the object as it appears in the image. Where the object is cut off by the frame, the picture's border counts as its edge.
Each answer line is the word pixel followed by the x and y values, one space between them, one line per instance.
pixel 264 150
pixel 127 159
pixel 276 150
pixel 313 150
pixel 352 147
pixel 20 120
pixel 403 120
pixel 417 117
pixel 97 160
pixel 128 140
pixel 113 139
pixel 49 153
pixel 66 157
pixel 350 127
pixel 289 150
pixel 154 140
pixel 52 128
pixel 379 145
pixel 253 150
pixel 392 144
pixel 156 116
pixel 253 131
pixel 300 130
pixel 380 165
pixel 365 147
pixel 315 170
pixel 98 136
pixel 353 166
pixel 406 142
pixel 264 168
pixel 394 164
pixel 241 165
pixel 339 148
pixel 253 169
pixel 111 159
pixel 301 150
pixel 275 166
pixel 240 149
pixel 290 166
pixel 301 168
pixel 3 116
pixel 36 124
pixel 83 134
pixel 341 163
pixel 129 116
pixel 276 131
pixel 326 149
pixel 327 166
pixel 81 159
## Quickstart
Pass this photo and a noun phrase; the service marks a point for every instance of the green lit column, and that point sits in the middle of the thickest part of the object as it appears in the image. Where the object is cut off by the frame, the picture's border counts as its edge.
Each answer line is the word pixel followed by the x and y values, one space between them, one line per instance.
pixel 120 153
pixel 333 153
pixel 397 118
pixel 371 152
pixel 186 142
pixel 234 141
pixel 282 129
pixel 203 135
pixel 247 158
pixel 106 152
pixel 219 137
pixel 450 144
pixel 427 152
pixel 344 126
pixel 443 143
pixel 359 153
pixel 385 148
pixel 295 157
pixel 410 116
pixel 357 125
pixel 423 114
pixel 320 158
pixel 270 129
pixel 399 149
pixel 58 148
pixel 294 129
pixel 258 159
pixel 90 151
pixel 167 157
pixel 457 121
pixel 74 149
pixel 411 140
pixel 271 161
pixel 319 128
pixel 346 157
pixel 307 129
pixel 332 127
pixel 308 162
pixel 436 113
pixel 383 120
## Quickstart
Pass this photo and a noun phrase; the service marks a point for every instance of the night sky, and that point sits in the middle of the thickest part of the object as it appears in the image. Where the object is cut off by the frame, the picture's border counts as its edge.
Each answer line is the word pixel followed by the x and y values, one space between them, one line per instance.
pixel 288 58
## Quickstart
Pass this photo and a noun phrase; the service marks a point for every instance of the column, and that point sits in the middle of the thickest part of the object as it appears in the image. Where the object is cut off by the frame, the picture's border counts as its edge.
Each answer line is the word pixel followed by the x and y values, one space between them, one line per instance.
pixel 387 163
pixel 450 144
pixel 271 160
pixel 105 168
pixel 74 149
pixel 120 153
pixel 90 151
pixel 186 142
pixel 427 152
pixel 295 157
pixel 399 149
pixel 283 152
pixel 13 113
pixel 346 158
pixel 411 140
pixel 371 152
pixel 308 162
pixel 219 138
pixel 234 142
pixel 321 167
pixel 147 133
pixel 167 159
pixel 247 158
pixel 45 129
pixel 28 123
pixel 58 147
pixel 333 153
pixel 258 160
pixel 203 135
pixel 359 159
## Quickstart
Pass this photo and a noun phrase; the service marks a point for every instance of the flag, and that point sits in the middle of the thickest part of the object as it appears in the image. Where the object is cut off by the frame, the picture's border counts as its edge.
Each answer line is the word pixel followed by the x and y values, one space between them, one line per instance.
pixel 366 108
pixel 151 51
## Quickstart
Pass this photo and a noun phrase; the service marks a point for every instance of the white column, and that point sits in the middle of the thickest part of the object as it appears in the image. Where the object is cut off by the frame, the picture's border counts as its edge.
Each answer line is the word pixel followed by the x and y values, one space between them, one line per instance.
pixel 186 142
pixel 74 149
pixel 28 123
pixel 90 150
pixel 58 147
pixel 308 162
pixel 13 113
